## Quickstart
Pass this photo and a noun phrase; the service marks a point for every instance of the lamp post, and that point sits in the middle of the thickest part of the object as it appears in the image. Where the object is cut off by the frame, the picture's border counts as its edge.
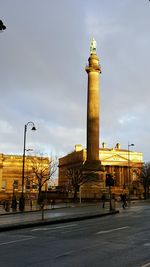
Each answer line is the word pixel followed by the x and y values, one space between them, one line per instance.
pixel 129 178
pixel 2 26
pixel 22 201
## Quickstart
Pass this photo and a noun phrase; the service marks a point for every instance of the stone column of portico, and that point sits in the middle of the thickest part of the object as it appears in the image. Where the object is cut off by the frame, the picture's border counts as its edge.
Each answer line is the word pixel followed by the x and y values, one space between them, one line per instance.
pixel 93 70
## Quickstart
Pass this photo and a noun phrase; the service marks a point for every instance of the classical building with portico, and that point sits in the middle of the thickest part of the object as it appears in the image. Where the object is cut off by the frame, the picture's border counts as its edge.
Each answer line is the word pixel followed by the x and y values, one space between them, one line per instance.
pixel 124 165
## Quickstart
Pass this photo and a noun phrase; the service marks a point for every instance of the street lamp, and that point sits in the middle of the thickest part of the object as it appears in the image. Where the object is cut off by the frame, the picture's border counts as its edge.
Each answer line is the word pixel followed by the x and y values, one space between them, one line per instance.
pixel 2 26
pixel 22 202
pixel 129 178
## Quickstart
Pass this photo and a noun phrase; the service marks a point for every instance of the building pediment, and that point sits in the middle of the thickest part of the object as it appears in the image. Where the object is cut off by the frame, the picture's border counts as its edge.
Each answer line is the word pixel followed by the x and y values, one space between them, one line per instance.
pixel 114 158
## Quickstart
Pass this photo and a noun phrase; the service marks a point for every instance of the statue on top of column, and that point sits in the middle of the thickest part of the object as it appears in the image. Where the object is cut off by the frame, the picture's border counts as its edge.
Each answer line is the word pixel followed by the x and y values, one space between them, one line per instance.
pixel 93 45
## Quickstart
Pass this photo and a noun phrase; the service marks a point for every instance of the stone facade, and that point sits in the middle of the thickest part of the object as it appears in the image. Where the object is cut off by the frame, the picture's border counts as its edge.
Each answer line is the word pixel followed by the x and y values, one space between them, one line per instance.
pixel 124 165
pixel 11 175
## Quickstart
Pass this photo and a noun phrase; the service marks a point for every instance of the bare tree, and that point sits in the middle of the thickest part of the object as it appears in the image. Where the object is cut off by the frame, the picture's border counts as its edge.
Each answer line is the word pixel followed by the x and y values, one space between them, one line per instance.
pixel 77 176
pixel 42 171
pixel 145 178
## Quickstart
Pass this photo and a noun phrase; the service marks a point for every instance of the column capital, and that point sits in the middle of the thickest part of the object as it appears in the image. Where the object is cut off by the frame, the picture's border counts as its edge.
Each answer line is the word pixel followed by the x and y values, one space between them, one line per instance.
pixel 93 64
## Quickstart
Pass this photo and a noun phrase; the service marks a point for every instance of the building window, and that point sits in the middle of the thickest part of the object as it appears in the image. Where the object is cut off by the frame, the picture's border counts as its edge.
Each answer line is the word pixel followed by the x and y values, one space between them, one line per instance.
pixel 3 184
pixel 15 184
pixel 34 186
pixel 28 185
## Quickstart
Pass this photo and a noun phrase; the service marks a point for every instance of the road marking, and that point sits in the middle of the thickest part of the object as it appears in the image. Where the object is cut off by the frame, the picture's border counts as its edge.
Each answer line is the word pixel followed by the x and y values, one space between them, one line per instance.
pixel 112 230
pixel 146 265
pixel 147 244
pixel 39 229
pixel 67 253
pixel 15 241
pixel 72 230
pixel 53 228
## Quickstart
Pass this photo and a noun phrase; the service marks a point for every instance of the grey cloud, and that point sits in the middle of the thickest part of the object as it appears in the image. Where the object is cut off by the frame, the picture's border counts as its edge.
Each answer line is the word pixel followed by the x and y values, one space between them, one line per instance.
pixel 44 52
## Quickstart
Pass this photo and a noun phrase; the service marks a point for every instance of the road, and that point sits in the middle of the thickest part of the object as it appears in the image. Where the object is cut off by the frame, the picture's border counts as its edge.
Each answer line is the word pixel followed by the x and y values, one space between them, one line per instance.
pixel 121 240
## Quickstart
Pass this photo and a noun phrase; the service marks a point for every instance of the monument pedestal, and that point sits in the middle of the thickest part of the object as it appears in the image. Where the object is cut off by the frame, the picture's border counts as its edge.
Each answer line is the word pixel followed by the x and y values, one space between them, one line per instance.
pixel 93 166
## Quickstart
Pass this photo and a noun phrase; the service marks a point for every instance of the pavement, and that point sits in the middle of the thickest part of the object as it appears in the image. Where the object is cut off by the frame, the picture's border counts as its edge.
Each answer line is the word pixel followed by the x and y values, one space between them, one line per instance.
pixel 60 213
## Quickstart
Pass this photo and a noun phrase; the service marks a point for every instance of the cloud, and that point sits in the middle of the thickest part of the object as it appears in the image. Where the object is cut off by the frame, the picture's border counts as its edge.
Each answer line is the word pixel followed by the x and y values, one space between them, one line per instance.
pixel 5 127
pixel 43 56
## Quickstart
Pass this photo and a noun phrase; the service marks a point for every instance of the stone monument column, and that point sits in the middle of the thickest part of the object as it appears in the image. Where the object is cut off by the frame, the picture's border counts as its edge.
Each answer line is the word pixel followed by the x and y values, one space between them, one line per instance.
pixel 93 70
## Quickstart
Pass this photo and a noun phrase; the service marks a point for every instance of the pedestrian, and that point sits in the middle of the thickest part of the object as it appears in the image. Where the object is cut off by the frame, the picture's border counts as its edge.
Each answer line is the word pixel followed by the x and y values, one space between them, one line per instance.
pixel 21 203
pixel 4 204
pixel 103 198
pixel 31 204
pixel 7 206
pixel 124 200
pixel 14 203
pixel 52 203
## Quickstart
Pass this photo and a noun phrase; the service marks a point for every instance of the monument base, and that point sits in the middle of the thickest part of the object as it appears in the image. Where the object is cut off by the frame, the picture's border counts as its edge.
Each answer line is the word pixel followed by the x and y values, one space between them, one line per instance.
pixel 93 166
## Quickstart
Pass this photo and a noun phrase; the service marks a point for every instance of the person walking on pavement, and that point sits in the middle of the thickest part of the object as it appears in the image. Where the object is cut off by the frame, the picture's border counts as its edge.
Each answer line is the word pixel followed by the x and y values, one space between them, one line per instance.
pixel 124 200
pixel 103 198
pixel 7 206
pixel 31 204
pixel 14 203
pixel 52 203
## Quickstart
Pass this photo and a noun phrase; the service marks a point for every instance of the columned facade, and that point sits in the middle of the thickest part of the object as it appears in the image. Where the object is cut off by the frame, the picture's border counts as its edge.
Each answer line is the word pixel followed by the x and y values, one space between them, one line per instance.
pixel 114 160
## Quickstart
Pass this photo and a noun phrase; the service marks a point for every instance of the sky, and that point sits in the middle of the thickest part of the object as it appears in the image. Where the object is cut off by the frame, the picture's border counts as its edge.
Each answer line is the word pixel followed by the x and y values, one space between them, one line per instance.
pixel 43 54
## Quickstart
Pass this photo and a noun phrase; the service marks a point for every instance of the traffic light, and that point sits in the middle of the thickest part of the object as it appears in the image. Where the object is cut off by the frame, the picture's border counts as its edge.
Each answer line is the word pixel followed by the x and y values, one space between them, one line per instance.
pixel 109 180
